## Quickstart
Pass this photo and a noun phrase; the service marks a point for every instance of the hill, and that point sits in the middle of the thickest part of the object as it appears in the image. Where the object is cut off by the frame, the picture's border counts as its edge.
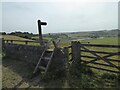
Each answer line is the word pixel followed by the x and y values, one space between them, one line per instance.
pixel 102 33
pixel 12 37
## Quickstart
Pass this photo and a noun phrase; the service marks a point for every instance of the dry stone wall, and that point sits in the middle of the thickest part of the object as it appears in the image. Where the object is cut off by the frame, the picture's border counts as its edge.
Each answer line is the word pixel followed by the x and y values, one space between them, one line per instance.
pixel 30 54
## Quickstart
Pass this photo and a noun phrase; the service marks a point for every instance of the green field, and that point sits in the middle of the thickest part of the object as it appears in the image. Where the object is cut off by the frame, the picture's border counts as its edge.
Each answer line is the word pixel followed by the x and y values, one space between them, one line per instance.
pixel 110 40
pixel 64 42
pixel 15 70
pixel 12 37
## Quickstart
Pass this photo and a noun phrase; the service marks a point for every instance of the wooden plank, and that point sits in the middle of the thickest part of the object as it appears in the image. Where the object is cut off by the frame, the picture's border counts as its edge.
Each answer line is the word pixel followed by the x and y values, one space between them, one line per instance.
pixel 103 69
pixel 71 59
pixel 69 46
pixel 100 58
pixel 99 64
pixel 114 60
pixel 22 41
pixel 76 51
pixel 40 33
pixel 56 44
pixel 115 53
pixel 70 53
pixel 46 47
pixel 49 62
pixel 39 62
pixel 66 54
pixel 101 45
pixel 41 67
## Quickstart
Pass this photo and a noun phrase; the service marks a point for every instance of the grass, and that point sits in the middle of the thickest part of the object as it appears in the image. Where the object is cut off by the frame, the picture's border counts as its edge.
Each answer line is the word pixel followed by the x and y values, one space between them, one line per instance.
pixel 12 37
pixel 15 70
pixel 110 40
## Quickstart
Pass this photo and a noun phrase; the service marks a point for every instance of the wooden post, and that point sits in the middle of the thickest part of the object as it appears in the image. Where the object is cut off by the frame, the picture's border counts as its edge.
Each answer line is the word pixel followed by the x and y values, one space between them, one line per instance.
pixel 6 41
pixel 11 41
pixel 66 53
pixel 56 44
pixel 26 42
pixel 76 51
pixel 3 41
pixel 40 31
pixel 3 44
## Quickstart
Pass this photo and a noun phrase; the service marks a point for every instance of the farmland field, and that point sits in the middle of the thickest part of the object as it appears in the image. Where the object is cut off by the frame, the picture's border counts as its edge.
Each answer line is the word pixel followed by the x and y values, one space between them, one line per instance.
pixel 12 37
pixel 65 42
pixel 15 70
pixel 110 40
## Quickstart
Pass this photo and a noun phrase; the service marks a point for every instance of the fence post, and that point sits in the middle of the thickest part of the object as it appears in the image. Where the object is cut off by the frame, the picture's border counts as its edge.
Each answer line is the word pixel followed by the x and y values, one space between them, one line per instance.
pixel 66 53
pixel 6 41
pixel 11 41
pixel 76 51
pixel 3 41
pixel 26 42
pixel 3 44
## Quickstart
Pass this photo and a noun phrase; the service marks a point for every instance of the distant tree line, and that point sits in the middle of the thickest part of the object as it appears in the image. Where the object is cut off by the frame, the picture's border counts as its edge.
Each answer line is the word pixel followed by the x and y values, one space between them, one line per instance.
pixel 26 35
pixel 22 34
pixel 2 33
pixel 56 35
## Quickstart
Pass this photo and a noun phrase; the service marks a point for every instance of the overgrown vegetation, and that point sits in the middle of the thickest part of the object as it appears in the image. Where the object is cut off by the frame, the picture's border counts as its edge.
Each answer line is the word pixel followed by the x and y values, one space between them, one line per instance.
pixel 83 77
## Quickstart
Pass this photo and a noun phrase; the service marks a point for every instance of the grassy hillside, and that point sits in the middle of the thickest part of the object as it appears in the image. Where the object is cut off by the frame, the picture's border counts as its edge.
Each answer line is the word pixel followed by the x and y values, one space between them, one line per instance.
pixel 12 37
pixel 110 40
pixel 16 73
pixel 15 70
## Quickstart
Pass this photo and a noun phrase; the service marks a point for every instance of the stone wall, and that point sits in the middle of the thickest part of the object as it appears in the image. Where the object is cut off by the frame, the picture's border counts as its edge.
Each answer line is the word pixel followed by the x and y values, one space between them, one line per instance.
pixel 30 54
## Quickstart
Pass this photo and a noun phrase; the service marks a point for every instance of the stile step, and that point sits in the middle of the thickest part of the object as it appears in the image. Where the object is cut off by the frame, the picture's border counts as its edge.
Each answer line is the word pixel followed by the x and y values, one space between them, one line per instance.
pixel 47 54
pixel 42 68
pixel 48 51
pixel 44 62
pixel 46 58
pixel 42 72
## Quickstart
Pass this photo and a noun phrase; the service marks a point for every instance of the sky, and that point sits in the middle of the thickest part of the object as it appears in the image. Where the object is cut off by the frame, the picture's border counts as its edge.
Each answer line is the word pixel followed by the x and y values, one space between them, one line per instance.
pixel 60 16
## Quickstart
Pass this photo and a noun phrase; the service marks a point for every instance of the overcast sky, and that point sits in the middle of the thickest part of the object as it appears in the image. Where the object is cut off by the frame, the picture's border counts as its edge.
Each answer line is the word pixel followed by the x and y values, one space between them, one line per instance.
pixel 60 16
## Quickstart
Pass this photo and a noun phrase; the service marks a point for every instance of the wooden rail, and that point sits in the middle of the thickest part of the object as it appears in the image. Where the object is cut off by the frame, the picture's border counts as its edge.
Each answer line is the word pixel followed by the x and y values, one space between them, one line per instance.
pixel 101 45
pixel 25 41
pixel 74 52
pixel 93 60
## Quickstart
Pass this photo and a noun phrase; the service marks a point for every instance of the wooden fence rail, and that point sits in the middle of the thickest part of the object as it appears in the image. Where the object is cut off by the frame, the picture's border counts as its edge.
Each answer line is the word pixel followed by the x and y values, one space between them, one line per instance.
pixel 95 59
pixel 25 41
pixel 75 53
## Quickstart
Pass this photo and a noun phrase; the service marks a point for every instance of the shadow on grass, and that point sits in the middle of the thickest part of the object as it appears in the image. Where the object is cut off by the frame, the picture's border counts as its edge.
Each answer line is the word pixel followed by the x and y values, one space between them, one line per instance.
pixel 83 77
pixel 24 70
pixel 78 77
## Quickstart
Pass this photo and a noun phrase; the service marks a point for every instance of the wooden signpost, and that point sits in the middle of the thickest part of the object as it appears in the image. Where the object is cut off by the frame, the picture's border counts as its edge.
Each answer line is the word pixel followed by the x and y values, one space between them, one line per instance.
pixel 40 31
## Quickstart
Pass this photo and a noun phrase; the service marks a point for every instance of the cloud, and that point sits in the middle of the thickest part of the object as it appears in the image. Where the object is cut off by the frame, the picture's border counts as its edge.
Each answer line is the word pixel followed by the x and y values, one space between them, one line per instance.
pixel 61 17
